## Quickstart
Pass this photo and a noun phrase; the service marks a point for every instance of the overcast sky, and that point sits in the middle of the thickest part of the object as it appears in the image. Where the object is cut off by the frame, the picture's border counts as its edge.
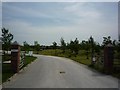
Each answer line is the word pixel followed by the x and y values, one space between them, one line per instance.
pixel 46 22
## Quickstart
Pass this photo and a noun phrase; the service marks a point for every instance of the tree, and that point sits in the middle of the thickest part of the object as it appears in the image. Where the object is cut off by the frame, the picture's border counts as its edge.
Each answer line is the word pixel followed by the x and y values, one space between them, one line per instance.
pixel 71 46
pixel 63 45
pixel 54 45
pixel 91 41
pixel 85 45
pixel 7 37
pixel 36 46
pixel 26 46
pixel 97 48
pixel 107 40
pixel 74 46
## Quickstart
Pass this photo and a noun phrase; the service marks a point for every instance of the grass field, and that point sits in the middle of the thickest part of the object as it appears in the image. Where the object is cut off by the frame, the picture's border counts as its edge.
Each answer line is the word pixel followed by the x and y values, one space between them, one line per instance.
pixel 7 71
pixel 81 57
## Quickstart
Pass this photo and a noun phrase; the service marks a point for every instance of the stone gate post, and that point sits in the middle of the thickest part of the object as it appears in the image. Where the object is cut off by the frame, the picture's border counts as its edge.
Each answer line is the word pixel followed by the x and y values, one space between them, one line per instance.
pixel 15 56
pixel 108 58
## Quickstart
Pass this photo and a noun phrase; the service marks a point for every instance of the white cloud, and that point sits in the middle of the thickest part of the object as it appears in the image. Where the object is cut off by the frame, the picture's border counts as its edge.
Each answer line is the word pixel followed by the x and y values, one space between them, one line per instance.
pixel 83 10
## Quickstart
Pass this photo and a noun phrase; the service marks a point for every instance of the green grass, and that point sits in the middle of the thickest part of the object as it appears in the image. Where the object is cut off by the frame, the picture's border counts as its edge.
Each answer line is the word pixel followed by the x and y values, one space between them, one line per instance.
pixel 29 59
pixel 51 52
pixel 7 71
pixel 81 57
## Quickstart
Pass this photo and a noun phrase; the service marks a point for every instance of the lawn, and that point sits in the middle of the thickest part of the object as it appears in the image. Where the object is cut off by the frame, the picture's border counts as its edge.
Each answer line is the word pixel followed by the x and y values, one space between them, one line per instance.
pixel 6 68
pixel 29 59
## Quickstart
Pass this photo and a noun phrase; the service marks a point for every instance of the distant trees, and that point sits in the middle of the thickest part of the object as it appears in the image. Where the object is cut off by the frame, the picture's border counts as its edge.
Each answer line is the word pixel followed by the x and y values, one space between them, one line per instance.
pixel 90 47
pixel 63 45
pixel 97 48
pixel 7 37
pixel 74 46
pixel 71 46
pixel 36 46
pixel 85 46
pixel 54 45
pixel 92 44
pixel 107 40
pixel 26 46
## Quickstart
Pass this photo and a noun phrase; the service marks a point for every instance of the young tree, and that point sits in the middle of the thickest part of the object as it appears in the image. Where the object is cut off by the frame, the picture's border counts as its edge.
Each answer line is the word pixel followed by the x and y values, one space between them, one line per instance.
pixel 74 46
pixel 7 37
pixel 36 46
pixel 26 46
pixel 63 45
pixel 97 48
pixel 91 41
pixel 85 45
pixel 71 46
pixel 107 40
pixel 54 45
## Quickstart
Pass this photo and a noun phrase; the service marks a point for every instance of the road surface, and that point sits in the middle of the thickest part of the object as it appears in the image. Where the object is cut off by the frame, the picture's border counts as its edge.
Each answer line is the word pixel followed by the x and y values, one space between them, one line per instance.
pixel 58 72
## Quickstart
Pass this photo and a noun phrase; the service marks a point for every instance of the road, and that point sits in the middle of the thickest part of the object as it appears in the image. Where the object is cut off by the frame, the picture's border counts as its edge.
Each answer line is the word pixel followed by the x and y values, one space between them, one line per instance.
pixel 58 72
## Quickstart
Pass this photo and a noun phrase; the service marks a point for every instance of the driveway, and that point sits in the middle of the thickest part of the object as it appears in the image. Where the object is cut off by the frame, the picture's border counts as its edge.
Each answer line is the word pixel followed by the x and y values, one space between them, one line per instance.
pixel 58 72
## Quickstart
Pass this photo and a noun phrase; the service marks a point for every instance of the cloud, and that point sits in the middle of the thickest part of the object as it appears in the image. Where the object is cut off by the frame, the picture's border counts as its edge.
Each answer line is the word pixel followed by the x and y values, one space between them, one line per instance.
pixel 24 31
pixel 83 10
pixel 48 22
pixel 20 11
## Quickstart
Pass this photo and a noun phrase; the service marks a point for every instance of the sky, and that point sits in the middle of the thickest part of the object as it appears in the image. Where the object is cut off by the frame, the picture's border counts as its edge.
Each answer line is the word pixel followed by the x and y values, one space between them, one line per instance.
pixel 47 22
pixel 119 20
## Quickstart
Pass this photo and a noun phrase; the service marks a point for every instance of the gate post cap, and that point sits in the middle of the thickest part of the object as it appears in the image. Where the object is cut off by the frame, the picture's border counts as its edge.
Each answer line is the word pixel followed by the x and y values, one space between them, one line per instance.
pixel 15 43
pixel 109 45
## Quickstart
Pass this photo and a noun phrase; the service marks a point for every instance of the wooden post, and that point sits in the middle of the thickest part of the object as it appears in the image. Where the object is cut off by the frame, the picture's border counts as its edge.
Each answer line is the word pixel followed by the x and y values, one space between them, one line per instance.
pixel 108 58
pixel 15 57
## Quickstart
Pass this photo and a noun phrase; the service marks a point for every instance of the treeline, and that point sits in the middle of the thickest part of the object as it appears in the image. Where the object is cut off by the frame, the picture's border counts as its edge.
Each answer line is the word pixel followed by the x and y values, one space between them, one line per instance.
pixel 74 46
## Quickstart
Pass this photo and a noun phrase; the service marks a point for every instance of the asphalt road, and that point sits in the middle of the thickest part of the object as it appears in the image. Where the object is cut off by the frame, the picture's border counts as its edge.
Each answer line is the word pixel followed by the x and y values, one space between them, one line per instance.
pixel 57 72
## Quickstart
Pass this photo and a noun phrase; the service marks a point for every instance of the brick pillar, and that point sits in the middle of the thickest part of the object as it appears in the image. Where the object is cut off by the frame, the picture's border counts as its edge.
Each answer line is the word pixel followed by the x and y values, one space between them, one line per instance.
pixel 108 58
pixel 15 57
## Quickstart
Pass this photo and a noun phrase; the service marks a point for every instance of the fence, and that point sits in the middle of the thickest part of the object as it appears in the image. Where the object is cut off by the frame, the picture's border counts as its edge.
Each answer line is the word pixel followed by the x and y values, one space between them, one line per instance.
pixel 22 59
